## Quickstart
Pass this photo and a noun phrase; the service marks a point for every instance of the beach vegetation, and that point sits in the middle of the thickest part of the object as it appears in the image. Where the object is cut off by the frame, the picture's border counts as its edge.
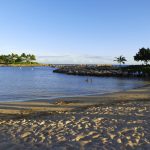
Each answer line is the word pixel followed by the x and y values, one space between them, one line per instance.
pixel 17 59
pixel 143 55
pixel 121 60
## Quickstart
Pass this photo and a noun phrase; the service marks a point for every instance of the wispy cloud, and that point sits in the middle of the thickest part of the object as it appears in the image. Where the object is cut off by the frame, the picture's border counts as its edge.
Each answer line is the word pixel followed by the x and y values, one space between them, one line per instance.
pixel 40 57
pixel 81 59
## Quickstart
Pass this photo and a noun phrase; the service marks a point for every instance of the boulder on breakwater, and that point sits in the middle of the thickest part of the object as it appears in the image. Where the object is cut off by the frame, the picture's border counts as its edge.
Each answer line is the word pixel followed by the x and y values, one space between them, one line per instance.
pixel 92 70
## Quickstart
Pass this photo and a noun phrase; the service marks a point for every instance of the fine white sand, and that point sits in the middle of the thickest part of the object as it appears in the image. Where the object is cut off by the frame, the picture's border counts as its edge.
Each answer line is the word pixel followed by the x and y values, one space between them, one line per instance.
pixel 122 125
pixel 113 121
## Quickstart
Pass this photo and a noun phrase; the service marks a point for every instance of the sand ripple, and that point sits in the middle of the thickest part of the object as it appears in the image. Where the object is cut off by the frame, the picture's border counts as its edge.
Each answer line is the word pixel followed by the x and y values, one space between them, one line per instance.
pixel 118 126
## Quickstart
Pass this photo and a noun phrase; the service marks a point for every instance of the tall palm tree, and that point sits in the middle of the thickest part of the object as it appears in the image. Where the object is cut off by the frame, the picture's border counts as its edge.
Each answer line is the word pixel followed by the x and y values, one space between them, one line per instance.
pixel 13 57
pixel 121 59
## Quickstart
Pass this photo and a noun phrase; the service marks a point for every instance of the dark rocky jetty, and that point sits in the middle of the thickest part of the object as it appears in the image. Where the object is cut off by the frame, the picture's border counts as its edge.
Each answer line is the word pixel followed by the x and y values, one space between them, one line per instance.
pixel 104 70
pixel 91 70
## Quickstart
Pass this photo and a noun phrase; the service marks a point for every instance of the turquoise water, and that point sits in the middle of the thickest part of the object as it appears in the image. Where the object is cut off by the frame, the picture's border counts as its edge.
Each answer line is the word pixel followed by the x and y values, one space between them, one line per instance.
pixel 40 83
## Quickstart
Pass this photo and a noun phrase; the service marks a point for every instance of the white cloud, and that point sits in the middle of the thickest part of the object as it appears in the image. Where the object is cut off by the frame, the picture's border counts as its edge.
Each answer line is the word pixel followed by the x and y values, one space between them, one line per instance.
pixel 69 59
pixel 81 59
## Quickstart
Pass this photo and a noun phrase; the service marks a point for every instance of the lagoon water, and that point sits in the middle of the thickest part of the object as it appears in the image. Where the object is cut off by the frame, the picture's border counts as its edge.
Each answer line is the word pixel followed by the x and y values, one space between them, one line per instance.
pixel 40 83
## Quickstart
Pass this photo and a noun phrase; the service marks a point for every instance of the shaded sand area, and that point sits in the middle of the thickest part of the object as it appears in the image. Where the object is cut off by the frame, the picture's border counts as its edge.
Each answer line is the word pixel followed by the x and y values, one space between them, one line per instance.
pixel 113 121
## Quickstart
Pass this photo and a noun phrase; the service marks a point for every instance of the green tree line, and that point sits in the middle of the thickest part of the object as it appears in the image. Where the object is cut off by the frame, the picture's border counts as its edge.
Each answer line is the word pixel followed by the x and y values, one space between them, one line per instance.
pixel 142 55
pixel 17 59
pixel 143 70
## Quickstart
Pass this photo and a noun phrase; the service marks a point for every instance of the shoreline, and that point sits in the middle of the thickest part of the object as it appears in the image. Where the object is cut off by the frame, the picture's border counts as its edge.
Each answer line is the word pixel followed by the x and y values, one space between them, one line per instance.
pixel 25 65
pixel 54 99
pixel 112 121
pixel 86 95
pixel 73 103
pixel 119 124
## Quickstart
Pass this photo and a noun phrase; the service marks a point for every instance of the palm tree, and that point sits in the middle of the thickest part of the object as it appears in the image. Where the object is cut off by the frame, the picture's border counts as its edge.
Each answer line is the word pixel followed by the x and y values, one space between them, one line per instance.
pixel 121 59
pixel 32 57
pixel 23 57
pixel 13 57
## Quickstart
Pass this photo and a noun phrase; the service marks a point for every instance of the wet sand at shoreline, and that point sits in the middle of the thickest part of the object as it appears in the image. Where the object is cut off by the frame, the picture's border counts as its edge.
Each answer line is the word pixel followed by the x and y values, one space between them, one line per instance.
pixel 71 103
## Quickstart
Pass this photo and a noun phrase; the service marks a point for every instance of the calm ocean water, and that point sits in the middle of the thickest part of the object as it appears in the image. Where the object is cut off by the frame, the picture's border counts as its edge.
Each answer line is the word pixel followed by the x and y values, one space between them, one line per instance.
pixel 40 83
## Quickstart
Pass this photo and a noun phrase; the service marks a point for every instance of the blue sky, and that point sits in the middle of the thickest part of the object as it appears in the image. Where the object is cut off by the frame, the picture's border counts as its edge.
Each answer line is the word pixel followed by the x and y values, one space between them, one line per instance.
pixel 75 31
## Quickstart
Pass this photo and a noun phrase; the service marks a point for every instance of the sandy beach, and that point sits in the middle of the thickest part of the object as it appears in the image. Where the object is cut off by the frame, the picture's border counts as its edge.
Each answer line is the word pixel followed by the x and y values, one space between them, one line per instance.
pixel 111 121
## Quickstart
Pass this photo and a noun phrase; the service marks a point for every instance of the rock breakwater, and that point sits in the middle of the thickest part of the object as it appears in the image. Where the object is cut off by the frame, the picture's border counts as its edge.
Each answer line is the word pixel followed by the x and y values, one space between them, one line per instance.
pixel 86 70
